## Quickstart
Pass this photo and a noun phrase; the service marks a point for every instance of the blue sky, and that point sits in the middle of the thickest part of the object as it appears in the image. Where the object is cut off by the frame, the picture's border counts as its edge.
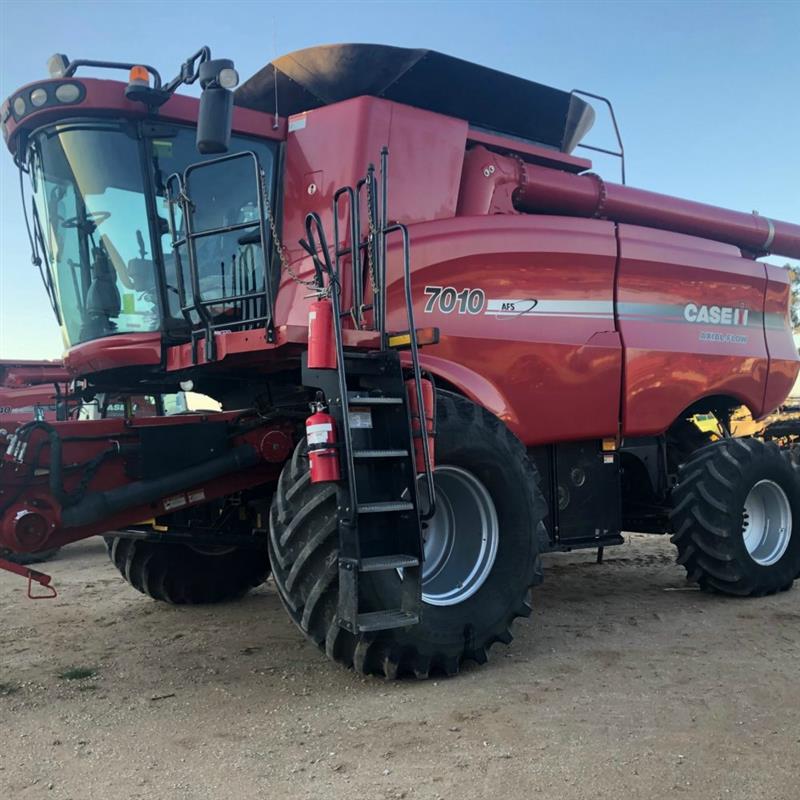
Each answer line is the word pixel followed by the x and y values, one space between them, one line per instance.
pixel 706 93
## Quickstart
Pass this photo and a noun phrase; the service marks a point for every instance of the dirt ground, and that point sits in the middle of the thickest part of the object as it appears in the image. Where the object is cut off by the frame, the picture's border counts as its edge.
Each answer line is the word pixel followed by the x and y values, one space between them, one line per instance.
pixel 624 683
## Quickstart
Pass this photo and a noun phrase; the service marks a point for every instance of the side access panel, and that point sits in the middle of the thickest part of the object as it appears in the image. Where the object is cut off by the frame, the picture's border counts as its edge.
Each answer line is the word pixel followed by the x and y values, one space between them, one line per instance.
pixel 784 361
pixel 690 312
pixel 524 306
pixel 581 483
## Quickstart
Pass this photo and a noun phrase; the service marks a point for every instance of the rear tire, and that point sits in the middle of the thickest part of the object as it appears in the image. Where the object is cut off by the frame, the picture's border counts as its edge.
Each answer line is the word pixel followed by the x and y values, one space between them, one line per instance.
pixel 303 546
pixel 736 518
pixel 181 574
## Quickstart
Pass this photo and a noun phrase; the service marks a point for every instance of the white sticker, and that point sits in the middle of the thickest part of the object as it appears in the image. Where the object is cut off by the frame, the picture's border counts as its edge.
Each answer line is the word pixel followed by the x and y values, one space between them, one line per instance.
pixel 360 418
pixel 176 501
pixel 297 123
pixel 197 496
pixel 318 434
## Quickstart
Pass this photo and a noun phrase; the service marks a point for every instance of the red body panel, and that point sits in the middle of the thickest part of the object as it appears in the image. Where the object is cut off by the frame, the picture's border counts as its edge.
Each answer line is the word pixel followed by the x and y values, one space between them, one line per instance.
pixel 671 362
pixel 21 405
pixel 551 370
pixel 28 389
pixel 781 347
pixel 123 349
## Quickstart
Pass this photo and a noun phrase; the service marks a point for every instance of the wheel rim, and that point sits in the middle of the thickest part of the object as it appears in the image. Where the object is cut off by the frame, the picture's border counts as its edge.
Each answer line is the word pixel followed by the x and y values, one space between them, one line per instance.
pixel 766 522
pixel 460 540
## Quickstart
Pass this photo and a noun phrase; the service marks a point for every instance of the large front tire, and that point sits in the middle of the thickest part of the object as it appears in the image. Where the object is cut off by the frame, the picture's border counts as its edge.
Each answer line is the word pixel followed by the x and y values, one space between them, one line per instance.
pixel 481 462
pixel 736 518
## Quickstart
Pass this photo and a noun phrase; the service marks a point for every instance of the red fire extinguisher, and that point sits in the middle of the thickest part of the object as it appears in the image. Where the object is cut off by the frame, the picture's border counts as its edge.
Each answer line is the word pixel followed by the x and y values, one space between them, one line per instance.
pixel 416 427
pixel 323 458
pixel 321 344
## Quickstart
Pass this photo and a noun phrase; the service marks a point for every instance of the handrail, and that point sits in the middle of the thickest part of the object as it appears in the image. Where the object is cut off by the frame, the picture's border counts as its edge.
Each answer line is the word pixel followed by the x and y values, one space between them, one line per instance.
pixel 246 300
pixel 617 154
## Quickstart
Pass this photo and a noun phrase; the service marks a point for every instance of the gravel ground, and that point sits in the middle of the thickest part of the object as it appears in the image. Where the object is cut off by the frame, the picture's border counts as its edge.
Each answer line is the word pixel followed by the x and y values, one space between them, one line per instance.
pixel 625 683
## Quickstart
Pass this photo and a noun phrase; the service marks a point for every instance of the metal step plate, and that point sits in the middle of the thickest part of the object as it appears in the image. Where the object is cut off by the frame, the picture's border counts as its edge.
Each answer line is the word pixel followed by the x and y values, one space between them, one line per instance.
pixel 380 563
pixel 355 400
pixel 380 453
pixel 382 508
pixel 385 620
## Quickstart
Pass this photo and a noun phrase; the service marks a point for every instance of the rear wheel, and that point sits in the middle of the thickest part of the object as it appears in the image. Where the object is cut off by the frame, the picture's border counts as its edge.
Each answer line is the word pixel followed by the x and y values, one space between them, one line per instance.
pixel 736 518
pixel 481 553
pixel 180 573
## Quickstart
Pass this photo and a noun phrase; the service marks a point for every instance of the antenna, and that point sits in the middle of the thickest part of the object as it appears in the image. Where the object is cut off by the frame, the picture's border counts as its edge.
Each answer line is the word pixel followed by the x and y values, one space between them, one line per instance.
pixel 276 120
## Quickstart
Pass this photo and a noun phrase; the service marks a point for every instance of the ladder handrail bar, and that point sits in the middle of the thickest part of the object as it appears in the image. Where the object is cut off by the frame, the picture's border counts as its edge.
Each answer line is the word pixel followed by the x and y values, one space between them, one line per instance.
pixel 354 250
pixel 313 221
pixel 403 229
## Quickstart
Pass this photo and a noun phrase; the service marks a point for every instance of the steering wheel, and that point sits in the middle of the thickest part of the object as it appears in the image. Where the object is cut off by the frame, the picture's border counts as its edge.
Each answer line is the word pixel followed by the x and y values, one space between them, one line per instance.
pixel 95 217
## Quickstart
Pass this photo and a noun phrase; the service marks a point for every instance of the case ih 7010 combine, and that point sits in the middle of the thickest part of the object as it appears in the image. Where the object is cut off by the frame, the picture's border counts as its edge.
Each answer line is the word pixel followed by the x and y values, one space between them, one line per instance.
pixel 349 206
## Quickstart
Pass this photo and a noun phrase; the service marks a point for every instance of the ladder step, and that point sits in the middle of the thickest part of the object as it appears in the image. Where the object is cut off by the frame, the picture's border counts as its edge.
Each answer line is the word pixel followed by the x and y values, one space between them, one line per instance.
pixel 380 453
pixel 384 620
pixel 382 508
pixel 380 563
pixel 374 401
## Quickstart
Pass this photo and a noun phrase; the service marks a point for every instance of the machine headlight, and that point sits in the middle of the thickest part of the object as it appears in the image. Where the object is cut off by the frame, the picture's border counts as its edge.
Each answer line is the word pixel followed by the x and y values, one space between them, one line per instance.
pixel 68 92
pixel 19 105
pixel 228 78
pixel 57 65
pixel 38 97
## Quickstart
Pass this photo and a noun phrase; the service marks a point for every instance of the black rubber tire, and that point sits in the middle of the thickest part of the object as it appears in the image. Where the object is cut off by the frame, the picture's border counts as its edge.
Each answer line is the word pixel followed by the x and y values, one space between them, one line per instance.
pixel 707 515
pixel 29 558
pixel 178 574
pixel 303 546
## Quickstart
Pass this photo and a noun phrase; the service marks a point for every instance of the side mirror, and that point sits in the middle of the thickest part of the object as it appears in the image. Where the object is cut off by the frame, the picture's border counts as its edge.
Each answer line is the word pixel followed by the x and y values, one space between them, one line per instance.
pixel 217 79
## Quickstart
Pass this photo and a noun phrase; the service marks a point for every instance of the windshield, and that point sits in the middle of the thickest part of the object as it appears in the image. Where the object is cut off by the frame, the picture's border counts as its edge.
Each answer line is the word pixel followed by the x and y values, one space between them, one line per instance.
pixel 112 270
pixel 92 217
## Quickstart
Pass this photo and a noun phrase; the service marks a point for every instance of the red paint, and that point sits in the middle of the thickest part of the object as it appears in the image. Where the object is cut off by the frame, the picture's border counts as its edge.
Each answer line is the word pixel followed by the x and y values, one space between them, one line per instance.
pixel 14 374
pixel 667 365
pixel 33 493
pixel 122 349
pixel 28 388
pixel 321 342
pixel 548 377
pixel 557 192
pixel 323 456
pixel 606 310
pixel 33 576
pixel 781 347
pixel 107 98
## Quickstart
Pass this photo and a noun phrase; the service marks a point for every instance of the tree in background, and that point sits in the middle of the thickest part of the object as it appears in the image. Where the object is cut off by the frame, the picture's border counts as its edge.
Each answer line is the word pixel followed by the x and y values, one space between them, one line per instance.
pixel 794 283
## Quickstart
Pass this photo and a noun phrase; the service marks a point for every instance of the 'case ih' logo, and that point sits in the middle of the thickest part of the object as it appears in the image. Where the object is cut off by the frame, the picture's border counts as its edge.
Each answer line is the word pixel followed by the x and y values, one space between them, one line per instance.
pixel 716 315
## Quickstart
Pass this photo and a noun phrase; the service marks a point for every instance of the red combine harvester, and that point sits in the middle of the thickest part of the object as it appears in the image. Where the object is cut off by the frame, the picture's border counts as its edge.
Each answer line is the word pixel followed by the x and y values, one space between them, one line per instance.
pixel 257 247
pixel 30 390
